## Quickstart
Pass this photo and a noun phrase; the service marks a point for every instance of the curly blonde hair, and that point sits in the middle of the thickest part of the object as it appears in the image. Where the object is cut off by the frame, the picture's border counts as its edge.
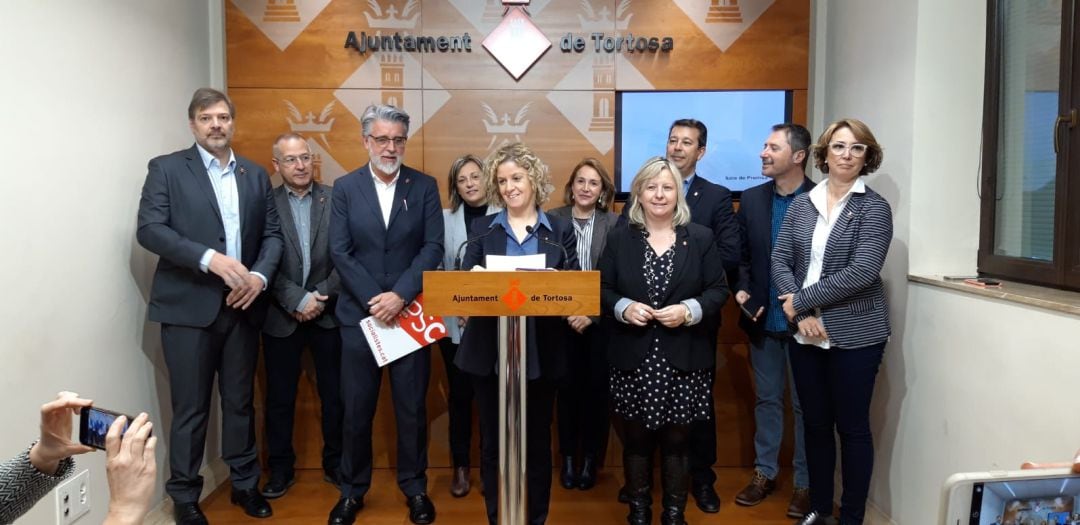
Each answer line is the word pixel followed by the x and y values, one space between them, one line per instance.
pixel 524 157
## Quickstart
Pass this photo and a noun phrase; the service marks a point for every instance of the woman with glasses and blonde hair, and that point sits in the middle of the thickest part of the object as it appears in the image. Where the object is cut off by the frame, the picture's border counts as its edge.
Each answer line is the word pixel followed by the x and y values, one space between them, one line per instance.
pixel 583 397
pixel 517 180
pixel 826 264
pixel 468 202
pixel 662 285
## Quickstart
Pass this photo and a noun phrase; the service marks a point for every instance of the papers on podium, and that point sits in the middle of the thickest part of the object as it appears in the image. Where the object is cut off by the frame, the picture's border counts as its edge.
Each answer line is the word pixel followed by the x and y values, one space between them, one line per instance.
pixel 414 330
pixel 509 263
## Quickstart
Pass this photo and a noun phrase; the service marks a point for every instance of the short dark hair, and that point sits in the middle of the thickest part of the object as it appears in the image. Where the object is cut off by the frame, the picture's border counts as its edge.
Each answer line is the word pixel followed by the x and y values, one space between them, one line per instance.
pixel 874 154
pixel 205 97
pixel 451 178
pixel 703 132
pixel 607 187
pixel 798 138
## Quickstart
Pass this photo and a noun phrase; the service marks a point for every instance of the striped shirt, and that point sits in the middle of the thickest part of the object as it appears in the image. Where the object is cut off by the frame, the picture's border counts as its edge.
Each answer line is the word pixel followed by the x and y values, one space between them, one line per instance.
pixel 584 229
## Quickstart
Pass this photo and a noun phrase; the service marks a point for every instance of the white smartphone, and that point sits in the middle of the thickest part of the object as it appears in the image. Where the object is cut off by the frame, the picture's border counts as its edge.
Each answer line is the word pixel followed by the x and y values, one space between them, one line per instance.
pixel 1017 497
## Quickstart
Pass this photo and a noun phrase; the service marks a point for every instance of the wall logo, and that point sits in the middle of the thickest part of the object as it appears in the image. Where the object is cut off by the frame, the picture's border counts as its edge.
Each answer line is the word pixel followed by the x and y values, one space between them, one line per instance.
pixel 516 43
pixel 723 21
pixel 594 20
pixel 390 19
pixel 281 20
pixel 503 127
pixel 325 168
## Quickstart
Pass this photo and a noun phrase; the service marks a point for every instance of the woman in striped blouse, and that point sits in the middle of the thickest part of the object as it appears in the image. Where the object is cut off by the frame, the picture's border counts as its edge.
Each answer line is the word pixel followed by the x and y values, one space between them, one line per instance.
pixel 583 397
pixel 826 265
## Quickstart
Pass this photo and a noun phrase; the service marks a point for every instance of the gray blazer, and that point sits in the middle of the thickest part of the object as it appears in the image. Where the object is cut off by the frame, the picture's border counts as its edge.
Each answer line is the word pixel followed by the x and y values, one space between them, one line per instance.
pixel 604 222
pixel 286 288
pixel 455 234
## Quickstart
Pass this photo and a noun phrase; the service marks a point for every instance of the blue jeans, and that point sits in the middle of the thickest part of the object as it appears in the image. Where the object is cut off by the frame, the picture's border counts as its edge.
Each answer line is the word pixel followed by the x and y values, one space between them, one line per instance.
pixel 769 360
pixel 835 387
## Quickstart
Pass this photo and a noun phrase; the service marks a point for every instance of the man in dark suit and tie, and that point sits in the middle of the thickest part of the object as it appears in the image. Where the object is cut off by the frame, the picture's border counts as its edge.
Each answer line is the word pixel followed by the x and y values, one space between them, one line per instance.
pixel 761 212
pixel 301 315
pixel 210 217
pixel 710 205
pixel 386 229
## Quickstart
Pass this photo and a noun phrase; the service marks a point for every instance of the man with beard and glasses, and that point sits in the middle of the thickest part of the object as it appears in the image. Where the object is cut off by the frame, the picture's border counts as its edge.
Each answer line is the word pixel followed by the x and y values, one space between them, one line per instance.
pixel 209 215
pixel 386 230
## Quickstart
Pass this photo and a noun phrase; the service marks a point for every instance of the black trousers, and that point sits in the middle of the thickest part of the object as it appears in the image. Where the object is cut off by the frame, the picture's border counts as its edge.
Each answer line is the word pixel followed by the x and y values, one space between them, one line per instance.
pixel 540 403
pixel 583 397
pixel 361 378
pixel 702 443
pixel 227 349
pixel 281 356
pixel 835 387
pixel 459 402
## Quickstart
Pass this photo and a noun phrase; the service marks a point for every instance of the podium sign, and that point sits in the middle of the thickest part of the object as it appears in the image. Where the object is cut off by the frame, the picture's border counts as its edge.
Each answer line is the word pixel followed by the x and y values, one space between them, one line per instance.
pixel 536 293
pixel 511 296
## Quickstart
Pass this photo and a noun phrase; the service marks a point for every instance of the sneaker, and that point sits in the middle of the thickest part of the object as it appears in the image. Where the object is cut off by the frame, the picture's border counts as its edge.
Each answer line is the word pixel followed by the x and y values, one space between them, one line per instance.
pixel 800 503
pixel 756 491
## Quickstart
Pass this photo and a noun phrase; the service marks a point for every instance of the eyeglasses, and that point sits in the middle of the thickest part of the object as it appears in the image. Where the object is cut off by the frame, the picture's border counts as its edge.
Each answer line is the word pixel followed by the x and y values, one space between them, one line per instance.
pixel 840 149
pixel 382 142
pixel 293 159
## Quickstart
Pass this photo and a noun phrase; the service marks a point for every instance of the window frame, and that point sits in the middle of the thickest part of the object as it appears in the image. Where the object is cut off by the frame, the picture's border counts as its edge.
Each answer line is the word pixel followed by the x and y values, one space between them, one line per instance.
pixel 1063 271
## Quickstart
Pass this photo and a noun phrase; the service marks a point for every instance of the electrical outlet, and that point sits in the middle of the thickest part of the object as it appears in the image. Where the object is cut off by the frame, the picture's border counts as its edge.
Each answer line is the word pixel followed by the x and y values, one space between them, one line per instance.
pixel 73 498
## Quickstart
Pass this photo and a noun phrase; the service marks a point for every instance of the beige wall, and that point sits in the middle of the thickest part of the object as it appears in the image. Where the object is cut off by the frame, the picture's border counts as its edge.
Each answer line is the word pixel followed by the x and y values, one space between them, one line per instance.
pixel 91 91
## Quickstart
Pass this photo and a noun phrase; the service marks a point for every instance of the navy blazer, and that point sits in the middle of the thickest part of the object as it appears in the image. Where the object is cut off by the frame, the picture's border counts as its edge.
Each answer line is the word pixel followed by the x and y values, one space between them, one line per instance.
pixel 288 286
pixel 698 274
pixel 755 225
pixel 372 258
pixel 179 219
pixel 546 337
pixel 850 294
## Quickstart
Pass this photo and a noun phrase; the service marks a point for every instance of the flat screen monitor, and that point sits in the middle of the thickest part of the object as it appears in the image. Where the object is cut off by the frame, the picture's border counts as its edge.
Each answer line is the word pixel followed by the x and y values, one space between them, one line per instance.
pixel 738 123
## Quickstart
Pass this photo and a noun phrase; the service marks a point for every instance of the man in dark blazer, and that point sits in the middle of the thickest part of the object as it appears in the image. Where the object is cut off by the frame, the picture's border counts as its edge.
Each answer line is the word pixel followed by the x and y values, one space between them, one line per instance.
pixel 386 229
pixel 761 212
pixel 710 205
pixel 210 217
pixel 301 315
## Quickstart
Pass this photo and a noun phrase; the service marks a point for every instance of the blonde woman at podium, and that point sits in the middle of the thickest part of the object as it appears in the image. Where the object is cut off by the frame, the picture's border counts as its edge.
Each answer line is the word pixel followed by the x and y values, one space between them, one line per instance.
pixel 468 201
pixel 583 398
pixel 519 182
pixel 662 279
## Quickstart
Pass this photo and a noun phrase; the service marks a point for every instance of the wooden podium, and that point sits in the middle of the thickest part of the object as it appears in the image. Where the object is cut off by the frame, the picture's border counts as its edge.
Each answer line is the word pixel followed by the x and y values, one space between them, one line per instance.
pixel 510 296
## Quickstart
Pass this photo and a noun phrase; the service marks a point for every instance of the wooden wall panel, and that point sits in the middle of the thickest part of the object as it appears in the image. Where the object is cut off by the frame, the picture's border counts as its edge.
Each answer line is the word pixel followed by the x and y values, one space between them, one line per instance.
pixel 288 70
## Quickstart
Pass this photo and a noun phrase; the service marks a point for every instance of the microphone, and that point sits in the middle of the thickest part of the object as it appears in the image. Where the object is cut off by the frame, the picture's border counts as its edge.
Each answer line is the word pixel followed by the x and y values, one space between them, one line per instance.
pixel 566 256
pixel 474 238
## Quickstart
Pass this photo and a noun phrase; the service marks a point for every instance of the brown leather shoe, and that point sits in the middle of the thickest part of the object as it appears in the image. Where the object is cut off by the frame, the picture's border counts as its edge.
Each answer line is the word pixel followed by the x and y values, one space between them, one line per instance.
pixel 800 503
pixel 460 485
pixel 755 492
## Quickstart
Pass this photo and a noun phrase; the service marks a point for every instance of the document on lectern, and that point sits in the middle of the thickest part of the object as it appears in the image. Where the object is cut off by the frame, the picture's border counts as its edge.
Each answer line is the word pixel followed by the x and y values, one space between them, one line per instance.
pixel 510 263
pixel 413 331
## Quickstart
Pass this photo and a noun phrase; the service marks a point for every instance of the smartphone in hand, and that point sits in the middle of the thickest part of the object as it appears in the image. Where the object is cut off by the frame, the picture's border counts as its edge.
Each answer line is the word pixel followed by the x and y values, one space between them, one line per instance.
pixel 94 423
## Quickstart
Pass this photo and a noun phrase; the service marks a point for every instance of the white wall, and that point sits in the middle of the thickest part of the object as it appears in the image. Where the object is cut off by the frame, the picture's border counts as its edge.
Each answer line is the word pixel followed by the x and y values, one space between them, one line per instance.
pixel 966 380
pixel 91 90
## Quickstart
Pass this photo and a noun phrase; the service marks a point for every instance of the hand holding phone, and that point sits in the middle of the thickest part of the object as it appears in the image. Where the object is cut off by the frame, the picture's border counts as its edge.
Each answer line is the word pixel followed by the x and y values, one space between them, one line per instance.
pixel 55 443
pixel 94 425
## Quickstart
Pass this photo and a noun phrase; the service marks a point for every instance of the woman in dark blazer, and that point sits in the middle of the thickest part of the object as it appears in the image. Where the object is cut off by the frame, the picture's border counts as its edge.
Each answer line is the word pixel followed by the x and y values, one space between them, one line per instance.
pixel 518 181
pixel 583 397
pixel 468 201
pixel 661 285
pixel 826 264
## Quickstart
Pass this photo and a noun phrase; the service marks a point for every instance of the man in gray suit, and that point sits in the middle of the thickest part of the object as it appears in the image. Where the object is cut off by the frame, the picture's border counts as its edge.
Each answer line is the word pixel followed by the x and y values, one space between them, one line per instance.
pixel 210 217
pixel 300 315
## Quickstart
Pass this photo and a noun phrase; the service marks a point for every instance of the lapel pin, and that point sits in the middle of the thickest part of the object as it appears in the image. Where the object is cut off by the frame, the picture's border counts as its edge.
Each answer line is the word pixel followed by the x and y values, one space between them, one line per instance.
pixel 407 181
pixel 684 243
pixel 695 194
pixel 322 200
pixel 242 170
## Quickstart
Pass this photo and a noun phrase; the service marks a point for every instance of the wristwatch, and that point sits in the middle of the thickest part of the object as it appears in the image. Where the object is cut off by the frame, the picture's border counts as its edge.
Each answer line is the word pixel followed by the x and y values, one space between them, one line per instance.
pixel 689 317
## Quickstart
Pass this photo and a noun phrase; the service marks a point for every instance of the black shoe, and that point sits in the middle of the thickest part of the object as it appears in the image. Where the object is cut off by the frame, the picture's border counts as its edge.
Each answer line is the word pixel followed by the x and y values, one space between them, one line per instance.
pixel 421 509
pixel 567 474
pixel 344 513
pixel 189 514
pixel 277 486
pixel 254 504
pixel 587 479
pixel 706 498
pixel 816 519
